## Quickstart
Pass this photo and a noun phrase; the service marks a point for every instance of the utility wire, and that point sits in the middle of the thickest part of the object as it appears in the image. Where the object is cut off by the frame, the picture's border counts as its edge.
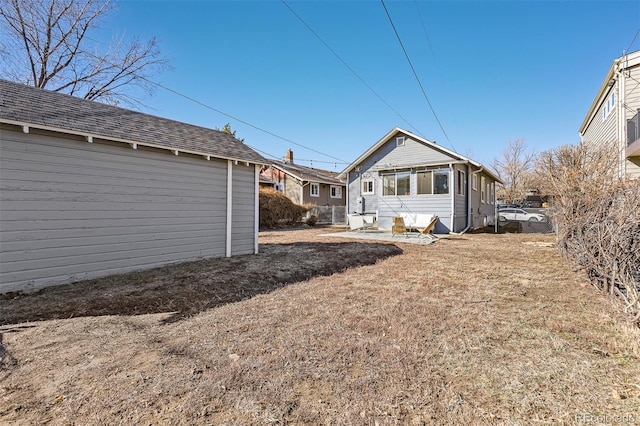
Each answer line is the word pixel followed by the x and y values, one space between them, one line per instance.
pixel 175 92
pixel 426 35
pixel 632 41
pixel 348 66
pixel 424 93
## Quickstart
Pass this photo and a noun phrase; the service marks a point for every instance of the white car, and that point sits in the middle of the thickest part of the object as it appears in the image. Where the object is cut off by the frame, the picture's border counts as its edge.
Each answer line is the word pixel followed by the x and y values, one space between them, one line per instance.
pixel 522 215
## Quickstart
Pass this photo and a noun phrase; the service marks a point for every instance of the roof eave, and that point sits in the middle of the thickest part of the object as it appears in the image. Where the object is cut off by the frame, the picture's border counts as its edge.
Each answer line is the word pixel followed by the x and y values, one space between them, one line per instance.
pixel 87 135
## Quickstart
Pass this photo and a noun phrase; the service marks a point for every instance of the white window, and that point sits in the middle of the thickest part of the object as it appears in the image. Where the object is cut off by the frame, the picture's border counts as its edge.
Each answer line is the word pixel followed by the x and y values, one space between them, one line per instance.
pixel 396 184
pixel 400 141
pixel 336 191
pixel 474 181
pixel 482 189
pixel 315 189
pixel 367 187
pixel 461 182
pixel 433 181
pixel 608 106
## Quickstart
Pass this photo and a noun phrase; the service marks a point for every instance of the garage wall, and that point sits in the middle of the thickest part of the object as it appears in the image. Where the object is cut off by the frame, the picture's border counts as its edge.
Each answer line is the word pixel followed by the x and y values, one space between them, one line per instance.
pixel 244 211
pixel 73 210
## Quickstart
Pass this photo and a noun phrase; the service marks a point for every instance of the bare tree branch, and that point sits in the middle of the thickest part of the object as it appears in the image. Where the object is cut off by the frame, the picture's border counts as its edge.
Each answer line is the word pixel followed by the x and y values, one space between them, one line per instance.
pixel 514 168
pixel 49 38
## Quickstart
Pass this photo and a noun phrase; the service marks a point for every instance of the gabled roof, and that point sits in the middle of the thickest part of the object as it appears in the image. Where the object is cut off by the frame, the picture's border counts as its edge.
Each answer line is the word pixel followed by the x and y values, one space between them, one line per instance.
pixel 29 106
pixel 386 138
pixel 626 61
pixel 307 174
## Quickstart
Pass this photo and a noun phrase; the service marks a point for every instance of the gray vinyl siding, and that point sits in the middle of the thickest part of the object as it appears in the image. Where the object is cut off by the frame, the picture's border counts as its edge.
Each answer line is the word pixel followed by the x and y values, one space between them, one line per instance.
pixel 243 213
pixel 395 205
pixel 73 210
pixel 439 205
pixel 391 156
pixel 602 133
pixel 482 213
pixel 460 201
pixel 415 156
pixel 355 190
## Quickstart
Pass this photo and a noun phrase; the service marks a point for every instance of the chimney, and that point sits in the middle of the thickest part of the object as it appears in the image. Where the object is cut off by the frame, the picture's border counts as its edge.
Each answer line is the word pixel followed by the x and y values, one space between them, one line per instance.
pixel 289 157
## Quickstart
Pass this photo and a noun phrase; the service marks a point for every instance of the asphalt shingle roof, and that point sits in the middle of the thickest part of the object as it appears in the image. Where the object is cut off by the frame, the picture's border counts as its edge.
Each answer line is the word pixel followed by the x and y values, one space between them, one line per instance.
pixel 37 107
pixel 307 174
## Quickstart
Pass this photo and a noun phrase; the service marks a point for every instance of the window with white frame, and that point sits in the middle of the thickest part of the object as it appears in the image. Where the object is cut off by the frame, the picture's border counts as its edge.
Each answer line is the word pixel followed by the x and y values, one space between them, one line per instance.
pixel 433 182
pixel 400 141
pixel 314 189
pixel 396 183
pixel 482 190
pixel 367 187
pixel 336 191
pixel 474 181
pixel 461 182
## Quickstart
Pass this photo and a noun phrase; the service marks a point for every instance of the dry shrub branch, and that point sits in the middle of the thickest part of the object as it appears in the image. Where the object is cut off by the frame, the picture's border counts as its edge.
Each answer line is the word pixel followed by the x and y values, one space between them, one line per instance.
pixel 278 210
pixel 598 220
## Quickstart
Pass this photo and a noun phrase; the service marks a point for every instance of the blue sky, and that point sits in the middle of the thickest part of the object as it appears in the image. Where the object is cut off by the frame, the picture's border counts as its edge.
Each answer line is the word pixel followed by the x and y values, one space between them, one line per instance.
pixel 493 71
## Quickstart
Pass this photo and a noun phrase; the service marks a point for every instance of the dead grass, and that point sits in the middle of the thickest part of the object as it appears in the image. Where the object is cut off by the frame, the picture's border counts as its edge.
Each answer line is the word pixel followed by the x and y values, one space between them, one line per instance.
pixel 477 329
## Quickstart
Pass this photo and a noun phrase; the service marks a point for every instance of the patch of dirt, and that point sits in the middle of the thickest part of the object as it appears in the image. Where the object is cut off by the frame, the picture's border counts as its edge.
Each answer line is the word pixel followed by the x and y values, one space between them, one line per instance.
pixel 476 329
pixel 193 287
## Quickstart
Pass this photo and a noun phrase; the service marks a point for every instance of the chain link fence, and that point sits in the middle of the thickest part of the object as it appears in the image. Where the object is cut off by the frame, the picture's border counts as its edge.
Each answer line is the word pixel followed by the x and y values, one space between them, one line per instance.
pixel 335 215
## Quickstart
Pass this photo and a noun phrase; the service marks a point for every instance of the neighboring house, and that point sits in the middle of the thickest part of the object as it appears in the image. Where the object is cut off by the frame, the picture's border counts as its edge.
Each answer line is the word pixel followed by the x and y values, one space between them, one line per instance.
pixel 89 190
pixel 405 173
pixel 614 116
pixel 304 185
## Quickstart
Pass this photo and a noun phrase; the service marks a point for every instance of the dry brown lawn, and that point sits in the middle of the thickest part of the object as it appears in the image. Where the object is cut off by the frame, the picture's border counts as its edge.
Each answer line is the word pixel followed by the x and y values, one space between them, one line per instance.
pixel 474 329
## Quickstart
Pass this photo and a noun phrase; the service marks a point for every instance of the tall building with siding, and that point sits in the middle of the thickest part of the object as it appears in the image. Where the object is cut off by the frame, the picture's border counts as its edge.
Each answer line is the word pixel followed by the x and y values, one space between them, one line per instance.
pixel 613 120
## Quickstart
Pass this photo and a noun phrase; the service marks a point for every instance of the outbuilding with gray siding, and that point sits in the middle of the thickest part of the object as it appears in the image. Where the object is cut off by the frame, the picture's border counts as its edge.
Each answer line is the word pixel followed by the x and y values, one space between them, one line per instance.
pixel 403 173
pixel 88 190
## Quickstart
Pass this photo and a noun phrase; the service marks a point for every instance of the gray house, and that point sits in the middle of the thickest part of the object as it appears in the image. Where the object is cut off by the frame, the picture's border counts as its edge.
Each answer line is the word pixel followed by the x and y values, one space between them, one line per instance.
pixel 404 173
pixel 88 190
pixel 304 185
pixel 613 119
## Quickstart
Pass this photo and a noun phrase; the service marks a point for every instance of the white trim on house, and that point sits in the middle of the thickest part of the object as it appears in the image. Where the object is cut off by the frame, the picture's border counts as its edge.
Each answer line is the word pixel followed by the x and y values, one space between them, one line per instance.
pixel 386 138
pixel 337 189
pixel 313 193
pixel 367 191
pixel 89 137
pixel 229 207
pixel 256 213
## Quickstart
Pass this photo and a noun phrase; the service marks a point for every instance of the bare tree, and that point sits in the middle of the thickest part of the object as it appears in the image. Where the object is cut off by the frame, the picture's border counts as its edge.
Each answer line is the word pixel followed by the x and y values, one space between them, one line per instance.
pixel 515 170
pixel 47 44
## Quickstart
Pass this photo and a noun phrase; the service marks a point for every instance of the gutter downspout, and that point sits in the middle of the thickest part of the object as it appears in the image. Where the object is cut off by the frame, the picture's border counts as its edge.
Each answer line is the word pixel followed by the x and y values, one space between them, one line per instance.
pixel 622 137
pixel 453 197
pixel 468 200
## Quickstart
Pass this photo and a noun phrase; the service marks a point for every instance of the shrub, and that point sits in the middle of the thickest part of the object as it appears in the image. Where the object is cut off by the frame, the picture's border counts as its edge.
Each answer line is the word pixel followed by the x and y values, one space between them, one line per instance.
pixel 276 209
pixel 598 220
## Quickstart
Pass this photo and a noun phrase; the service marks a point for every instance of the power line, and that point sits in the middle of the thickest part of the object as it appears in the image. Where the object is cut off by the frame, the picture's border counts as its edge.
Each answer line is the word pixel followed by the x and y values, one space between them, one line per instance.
pixel 348 66
pixel 424 93
pixel 426 35
pixel 632 41
pixel 175 92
